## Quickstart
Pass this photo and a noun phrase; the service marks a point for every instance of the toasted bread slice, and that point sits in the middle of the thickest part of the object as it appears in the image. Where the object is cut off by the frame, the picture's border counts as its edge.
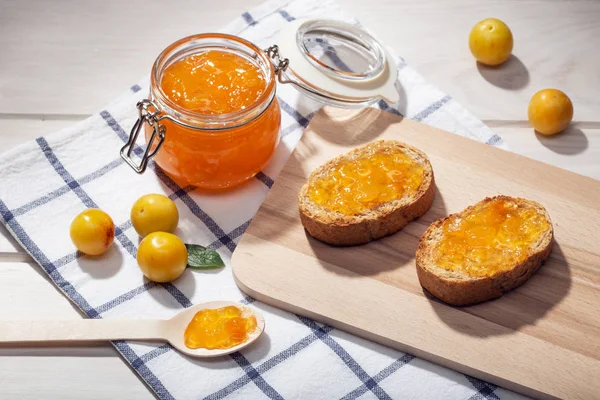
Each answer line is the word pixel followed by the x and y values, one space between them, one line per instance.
pixel 458 287
pixel 378 220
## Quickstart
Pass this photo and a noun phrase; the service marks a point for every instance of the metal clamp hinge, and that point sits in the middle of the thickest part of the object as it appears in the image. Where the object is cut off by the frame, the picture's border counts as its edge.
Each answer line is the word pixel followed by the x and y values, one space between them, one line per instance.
pixel 148 113
pixel 279 63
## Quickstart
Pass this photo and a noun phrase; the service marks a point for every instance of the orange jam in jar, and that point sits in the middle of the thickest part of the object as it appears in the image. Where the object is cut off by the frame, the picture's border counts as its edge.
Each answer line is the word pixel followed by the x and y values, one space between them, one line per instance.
pixel 492 237
pixel 216 99
pixel 219 328
pixel 356 185
pixel 213 82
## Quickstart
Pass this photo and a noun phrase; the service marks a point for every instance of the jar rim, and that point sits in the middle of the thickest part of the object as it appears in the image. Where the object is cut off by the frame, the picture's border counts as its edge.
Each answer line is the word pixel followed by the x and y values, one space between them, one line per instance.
pixel 212 121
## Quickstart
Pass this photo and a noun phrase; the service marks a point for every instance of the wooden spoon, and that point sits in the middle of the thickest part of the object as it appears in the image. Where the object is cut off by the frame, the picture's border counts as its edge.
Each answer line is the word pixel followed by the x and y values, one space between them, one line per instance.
pixel 168 330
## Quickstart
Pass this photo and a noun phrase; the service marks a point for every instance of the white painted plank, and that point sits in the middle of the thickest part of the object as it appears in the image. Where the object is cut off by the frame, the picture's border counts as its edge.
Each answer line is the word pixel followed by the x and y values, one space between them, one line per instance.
pixel 576 150
pixel 27 374
pixel 115 45
pixel 555 45
pixel 80 55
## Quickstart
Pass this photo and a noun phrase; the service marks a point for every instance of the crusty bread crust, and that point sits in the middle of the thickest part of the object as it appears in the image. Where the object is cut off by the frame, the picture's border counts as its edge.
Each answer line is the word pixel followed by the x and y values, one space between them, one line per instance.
pixel 343 230
pixel 459 289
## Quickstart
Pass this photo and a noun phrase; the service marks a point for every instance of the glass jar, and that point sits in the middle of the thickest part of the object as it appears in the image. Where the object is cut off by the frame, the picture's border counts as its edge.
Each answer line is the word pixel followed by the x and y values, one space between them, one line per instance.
pixel 211 150
pixel 215 151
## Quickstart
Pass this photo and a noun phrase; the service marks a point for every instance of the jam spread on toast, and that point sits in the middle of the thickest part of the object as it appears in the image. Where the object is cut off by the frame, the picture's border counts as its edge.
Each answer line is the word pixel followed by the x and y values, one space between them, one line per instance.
pixel 374 177
pixel 490 238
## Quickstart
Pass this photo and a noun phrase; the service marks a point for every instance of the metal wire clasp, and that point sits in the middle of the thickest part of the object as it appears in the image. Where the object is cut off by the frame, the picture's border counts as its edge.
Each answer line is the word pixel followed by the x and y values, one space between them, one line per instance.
pixel 148 113
pixel 279 63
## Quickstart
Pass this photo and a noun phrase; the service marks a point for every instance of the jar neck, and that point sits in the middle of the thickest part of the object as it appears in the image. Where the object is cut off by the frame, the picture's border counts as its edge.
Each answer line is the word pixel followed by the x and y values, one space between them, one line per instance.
pixel 199 44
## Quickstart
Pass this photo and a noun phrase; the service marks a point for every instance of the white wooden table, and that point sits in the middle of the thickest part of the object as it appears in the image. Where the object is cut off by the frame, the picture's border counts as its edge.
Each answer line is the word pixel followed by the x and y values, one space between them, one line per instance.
pixel 62 61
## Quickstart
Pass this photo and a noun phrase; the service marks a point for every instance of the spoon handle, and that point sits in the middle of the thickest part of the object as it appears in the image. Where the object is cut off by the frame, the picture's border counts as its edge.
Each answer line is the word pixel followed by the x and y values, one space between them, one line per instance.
pixel 81 330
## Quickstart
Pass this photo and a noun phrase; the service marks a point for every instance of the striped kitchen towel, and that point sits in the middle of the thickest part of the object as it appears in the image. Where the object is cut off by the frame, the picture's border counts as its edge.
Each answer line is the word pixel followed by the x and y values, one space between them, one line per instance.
pixel 46 182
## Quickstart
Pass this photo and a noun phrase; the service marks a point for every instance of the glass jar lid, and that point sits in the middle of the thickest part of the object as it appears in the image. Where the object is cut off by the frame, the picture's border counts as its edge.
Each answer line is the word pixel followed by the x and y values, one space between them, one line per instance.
pixel 337 63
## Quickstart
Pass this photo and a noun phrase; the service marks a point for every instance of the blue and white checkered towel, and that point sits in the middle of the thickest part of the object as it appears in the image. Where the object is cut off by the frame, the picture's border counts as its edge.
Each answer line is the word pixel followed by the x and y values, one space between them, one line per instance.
pixel 46 182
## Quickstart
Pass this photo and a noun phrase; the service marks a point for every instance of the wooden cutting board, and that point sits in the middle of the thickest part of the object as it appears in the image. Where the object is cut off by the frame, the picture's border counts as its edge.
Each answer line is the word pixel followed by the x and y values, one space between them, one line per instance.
pixel 542 339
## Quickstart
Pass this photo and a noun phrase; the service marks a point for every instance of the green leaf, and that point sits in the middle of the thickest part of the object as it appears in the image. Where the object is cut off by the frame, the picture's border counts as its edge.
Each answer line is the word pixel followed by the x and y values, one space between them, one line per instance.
pixel 199 257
